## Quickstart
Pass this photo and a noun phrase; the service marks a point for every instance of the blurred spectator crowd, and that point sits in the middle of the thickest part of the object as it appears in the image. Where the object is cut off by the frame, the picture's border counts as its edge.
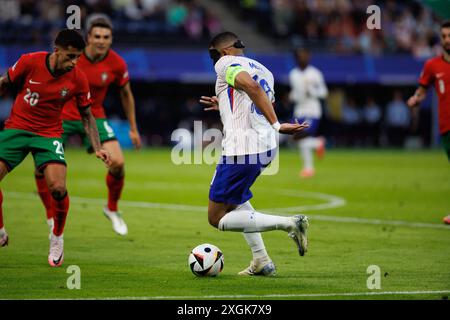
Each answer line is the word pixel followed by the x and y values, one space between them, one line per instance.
pixel 340 25
pixel 332 25
pixel 140 22
pixel 365 121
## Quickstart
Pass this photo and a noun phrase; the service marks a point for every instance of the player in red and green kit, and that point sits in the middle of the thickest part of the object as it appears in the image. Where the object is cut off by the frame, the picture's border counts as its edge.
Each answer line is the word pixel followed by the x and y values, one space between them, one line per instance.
pixel 44 83
pixel 437 71
pixel 103 67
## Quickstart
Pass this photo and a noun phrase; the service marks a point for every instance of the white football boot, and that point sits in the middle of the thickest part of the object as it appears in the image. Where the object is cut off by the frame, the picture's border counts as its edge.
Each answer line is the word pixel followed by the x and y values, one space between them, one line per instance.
pixel 299 233
pixel 56 255
pixel 3 237
pixel 119 226
pixel 260 267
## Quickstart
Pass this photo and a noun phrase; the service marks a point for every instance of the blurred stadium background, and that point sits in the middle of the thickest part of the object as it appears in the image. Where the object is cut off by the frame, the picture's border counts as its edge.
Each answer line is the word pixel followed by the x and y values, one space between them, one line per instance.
pixel 165 42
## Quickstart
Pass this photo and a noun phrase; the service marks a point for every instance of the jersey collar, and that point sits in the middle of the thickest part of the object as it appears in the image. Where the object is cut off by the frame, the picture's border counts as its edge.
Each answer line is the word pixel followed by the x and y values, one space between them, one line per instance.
pixel 95 61
pixel 47 64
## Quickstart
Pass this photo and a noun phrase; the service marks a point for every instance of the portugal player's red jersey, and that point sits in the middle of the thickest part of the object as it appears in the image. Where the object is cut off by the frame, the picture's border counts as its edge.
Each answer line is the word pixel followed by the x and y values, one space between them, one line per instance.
pixel 41 96
pixel 112 69
pixel 437 71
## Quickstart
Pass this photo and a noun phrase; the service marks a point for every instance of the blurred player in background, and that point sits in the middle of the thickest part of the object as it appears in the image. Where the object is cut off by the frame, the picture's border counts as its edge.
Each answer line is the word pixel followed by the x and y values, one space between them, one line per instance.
pixel 307 88
pixel 44 83
pixel 437 71
pixel 244 96
pixel 103 67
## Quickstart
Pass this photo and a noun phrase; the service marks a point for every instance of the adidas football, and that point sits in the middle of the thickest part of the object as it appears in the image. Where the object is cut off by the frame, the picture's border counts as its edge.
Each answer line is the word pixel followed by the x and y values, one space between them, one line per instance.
pixel 206 260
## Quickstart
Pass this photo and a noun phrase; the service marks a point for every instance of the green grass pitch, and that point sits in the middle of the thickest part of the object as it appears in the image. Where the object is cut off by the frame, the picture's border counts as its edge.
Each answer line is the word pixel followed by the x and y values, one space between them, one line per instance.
pixel 382 208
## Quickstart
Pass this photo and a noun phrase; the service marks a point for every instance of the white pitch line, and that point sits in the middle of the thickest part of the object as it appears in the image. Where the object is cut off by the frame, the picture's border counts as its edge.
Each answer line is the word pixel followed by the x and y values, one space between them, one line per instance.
pixel 192 208
pixel 134 204
pixel 300 295
pixel 332 201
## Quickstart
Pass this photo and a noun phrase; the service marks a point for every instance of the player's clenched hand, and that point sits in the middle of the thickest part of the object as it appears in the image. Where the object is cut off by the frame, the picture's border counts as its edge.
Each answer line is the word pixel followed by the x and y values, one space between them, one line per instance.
pixel 212 103
pixel 104 156
pixel 135 138
pixel 291 128
pixel 413 101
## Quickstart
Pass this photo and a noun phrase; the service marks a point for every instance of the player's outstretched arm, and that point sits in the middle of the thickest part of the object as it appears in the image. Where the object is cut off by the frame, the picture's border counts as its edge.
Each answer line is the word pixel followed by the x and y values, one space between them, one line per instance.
pixel 211 103
pixel 4 82
pixel 128 104
pixel 92 132
pixel 244 82
pixel 416 99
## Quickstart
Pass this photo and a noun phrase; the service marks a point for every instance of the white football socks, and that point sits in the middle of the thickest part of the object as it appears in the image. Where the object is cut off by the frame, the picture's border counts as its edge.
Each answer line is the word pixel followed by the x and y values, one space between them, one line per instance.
pixel 245 219
pixel 254 239
pixel 256 244
pixel 307 145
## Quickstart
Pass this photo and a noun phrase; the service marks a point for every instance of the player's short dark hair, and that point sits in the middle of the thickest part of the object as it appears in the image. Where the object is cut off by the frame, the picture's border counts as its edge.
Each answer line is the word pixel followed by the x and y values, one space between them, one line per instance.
pixel 98 20
pixel 68 37
pixel 224 37
pixel 445 24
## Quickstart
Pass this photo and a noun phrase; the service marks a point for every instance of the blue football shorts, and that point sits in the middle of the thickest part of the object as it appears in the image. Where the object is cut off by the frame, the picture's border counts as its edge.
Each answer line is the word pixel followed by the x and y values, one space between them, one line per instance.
pixel 236 174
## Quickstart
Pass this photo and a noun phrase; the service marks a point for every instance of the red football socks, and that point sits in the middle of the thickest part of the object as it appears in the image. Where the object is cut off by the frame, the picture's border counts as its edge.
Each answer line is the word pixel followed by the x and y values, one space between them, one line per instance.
pixel 115 186
pixel 61 207
pixel 44 194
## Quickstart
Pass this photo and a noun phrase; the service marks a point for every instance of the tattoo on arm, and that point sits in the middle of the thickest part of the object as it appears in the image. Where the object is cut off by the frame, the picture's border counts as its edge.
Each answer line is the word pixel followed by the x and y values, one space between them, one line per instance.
pixel 90 127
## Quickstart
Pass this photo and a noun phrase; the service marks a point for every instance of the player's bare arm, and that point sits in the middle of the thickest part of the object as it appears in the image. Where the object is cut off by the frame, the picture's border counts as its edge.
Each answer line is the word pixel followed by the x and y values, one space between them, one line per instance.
pixel 128 104
pixel 92 132
pixel 417 97
pixel 4 82
pixel 244 82
pixel 211 103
